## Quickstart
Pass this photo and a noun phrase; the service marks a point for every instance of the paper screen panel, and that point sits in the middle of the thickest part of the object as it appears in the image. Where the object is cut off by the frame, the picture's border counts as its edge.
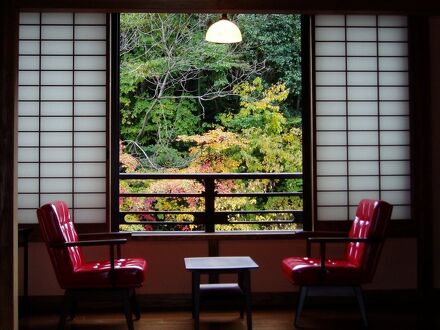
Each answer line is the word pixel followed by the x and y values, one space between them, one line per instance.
pixel 361 113
pixel 62 114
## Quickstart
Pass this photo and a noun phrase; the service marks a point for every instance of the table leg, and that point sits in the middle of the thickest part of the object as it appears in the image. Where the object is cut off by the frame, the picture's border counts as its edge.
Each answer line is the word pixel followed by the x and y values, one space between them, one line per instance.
pixel 243 300
pixel 247 296
pixel 196 299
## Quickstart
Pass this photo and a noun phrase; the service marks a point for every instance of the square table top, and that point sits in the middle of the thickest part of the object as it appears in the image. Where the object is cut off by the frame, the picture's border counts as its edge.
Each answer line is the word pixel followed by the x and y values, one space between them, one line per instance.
pixel 219 263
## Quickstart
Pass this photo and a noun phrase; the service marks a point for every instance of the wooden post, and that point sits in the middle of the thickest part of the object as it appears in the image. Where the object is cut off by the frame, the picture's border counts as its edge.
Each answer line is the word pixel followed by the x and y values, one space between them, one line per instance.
pixel 8 228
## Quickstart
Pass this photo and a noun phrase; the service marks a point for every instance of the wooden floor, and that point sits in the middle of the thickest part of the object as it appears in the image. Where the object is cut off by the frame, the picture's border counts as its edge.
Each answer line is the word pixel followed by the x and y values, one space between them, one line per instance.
pixel 314 317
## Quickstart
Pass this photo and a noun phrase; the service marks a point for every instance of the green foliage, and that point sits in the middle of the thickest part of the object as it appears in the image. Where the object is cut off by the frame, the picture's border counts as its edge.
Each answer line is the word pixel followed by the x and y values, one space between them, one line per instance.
pixel 168 119
pixel 214 151
pixel 168 70
pixel 166 157
pixel 277 40
pixel 189 106
pixel 259 108
pixel 271 145
pixel 272 153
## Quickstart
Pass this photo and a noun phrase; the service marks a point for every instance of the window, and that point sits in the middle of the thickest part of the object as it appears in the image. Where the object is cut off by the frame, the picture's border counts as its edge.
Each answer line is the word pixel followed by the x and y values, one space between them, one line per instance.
pixel 362 146
pixel 210 132
pixel 62 114
pixel 360 114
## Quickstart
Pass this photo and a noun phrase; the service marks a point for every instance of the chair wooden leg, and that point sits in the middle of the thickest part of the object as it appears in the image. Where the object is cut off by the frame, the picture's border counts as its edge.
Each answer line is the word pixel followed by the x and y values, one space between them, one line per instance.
pixel 300 304
pixel 360 299
pixel 127 308
pixel 135 306
pixel 65 309
pixel 72 306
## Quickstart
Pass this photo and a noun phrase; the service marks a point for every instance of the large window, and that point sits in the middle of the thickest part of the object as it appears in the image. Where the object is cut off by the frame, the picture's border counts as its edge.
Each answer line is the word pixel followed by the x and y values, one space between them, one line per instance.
pixel 211 134
pixel 359 130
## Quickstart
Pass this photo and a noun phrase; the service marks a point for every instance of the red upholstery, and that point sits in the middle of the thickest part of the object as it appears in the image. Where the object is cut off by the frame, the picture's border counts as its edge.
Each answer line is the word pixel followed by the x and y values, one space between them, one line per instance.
pixel 360 260
pixel 307 271
pixel 70 267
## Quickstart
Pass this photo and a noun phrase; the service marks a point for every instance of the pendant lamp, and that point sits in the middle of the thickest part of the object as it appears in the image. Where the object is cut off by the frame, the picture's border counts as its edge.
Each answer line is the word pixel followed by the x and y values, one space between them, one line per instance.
pixel 223 31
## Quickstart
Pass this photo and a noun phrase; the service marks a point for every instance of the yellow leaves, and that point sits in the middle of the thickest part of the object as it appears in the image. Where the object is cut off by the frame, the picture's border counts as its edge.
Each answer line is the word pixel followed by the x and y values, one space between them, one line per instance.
pixel 216 138
pixel 253 95
pixel 211 150
pixel 259 107
pixel 277 92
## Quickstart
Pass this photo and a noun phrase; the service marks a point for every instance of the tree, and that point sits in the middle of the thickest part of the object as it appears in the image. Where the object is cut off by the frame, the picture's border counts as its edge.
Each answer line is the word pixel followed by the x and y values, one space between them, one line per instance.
pixel 246 95
pixel 259 108
pixel 277 40
pixel 257 138
pixel 167 68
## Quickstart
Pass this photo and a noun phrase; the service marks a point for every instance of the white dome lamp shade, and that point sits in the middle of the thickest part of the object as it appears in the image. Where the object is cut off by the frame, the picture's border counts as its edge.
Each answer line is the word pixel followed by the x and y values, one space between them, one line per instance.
pixel 223 32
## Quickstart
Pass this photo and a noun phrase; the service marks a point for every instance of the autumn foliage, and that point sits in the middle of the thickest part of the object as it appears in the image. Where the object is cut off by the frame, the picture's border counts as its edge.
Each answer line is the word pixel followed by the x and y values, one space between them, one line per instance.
pixel 188 106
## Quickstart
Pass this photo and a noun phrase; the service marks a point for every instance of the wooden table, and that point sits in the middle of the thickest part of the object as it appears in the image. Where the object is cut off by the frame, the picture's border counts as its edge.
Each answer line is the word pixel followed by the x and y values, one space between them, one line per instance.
pixel 219 265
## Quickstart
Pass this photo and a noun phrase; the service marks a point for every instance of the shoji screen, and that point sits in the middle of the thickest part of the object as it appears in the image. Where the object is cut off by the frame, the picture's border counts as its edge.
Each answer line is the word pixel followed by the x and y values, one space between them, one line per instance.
pixel 62 107
pixel 361 113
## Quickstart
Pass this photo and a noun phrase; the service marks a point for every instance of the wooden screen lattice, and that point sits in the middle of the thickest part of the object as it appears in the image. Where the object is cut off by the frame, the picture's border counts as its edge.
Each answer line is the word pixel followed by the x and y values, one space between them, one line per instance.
pixel 362 127
pixel 62 114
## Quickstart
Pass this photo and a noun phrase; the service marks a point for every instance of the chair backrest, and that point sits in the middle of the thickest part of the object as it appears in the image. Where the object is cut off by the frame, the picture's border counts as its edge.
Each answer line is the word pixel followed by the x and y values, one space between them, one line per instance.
pixel 371 221
pixel 57 227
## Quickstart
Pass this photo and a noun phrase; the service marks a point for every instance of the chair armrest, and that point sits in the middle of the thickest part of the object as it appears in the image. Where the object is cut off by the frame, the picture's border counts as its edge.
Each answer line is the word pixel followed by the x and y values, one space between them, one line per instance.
pixel 324 233
pixel 324 240
pixel 106 235
pixel 110 242
pixel 90 243
pixel 342 240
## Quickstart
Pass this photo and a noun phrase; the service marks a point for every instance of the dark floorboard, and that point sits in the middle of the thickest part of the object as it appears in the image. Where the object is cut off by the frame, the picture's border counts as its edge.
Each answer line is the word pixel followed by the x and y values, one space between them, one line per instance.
pixel 339 317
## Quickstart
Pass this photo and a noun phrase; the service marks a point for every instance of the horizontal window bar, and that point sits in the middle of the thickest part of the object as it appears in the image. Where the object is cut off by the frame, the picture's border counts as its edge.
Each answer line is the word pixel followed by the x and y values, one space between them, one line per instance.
pixel 339 85
pixel 71 39
pixel 65 55
pixel 59 24
pixel 58 70
pixel 62 116
pixel 218 176
pixel 67 131
pixel 70 100
pixel 79 85
pixel 63 162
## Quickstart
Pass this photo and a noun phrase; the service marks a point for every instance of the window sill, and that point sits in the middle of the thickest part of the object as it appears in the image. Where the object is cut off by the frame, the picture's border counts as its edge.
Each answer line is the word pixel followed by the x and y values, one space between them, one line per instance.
pixel 401 230
pixel 202 236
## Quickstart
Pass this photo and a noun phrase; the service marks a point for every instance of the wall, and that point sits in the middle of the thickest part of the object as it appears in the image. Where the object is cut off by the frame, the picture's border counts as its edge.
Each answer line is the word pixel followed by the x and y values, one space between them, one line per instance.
pixel 167 274
pixel 396 253
pixel 435 112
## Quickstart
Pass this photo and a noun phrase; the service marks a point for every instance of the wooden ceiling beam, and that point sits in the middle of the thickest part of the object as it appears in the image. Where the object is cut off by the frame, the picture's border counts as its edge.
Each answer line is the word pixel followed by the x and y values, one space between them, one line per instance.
pixel 425 7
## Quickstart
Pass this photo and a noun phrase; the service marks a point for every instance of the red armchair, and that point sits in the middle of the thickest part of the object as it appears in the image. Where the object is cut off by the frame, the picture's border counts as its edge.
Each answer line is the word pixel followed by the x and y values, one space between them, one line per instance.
pixel 80 278
pixel 357 266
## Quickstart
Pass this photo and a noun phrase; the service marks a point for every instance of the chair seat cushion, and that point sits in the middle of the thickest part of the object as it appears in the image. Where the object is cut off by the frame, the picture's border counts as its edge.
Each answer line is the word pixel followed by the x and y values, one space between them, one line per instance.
pixel 129 273
pixel 307 271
